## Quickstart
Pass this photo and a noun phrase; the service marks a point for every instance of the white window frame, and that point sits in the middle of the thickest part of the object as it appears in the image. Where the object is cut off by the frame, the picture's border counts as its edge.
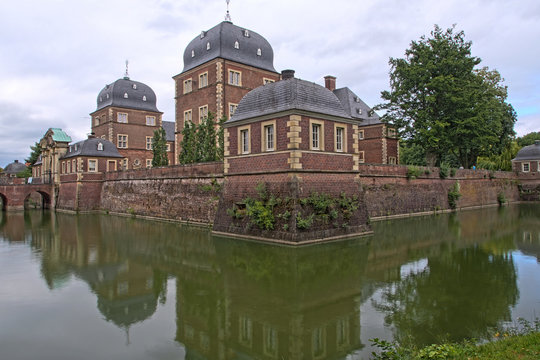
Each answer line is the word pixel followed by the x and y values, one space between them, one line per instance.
pixel 361 157
pixel 316 135
pixel 235 77
pixel 203 113
pixel 392 160
pixel 150 121
pixel 148 163
pixel 122 141
pixel 188 86
pixel 361 135
pixel 523 166
pixel 268 81
pixel 203 80
pixel 168 147
pixel 268 139
pixel 244 140
pixel 95 162
pixel 122 117
pixel 149 140
pixel 188 116
pixel 340 137
pixel 232 109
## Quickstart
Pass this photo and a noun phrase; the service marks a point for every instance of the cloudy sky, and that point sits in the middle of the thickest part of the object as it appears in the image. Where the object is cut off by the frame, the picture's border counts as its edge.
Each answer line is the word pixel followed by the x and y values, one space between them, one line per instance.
pixel 56 55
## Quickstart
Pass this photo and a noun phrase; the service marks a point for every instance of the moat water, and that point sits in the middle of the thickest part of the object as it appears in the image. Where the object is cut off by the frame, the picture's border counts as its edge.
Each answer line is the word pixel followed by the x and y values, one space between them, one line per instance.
pixel 106 287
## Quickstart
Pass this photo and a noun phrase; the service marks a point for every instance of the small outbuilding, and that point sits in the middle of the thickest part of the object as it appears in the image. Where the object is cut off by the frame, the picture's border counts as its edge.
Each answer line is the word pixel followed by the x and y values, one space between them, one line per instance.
pixel 13 169
pixel 527 159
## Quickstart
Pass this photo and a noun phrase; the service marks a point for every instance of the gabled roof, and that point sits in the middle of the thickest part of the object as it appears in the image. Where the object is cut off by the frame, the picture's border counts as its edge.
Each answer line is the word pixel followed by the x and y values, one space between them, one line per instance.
pixel 90 146
pixel 289 94
pixel 169 129
pixel 355 107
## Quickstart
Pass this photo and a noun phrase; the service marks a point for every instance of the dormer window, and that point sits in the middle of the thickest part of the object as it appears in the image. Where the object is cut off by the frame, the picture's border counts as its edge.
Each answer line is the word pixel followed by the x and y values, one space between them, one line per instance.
pixel 100 147
pixel 192 53
pixel 246 33
pixel 134 86
pixel 100 98
pixel 75 147
pixel 203 34
pixel 107 96
pixel 125 95
pixel 356 99
pixel 144 98
pixel 359 111
pixel 208 45
pixel 259 52
pixel 236 45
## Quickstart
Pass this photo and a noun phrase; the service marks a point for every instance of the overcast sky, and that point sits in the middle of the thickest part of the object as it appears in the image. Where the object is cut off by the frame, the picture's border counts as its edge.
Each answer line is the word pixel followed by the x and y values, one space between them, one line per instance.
pixel 56 55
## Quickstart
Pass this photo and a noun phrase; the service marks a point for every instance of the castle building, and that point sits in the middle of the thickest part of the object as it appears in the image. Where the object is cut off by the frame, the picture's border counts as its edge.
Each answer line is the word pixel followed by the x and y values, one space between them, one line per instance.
pixel 221 65
pixel 294 125
pixel 127 116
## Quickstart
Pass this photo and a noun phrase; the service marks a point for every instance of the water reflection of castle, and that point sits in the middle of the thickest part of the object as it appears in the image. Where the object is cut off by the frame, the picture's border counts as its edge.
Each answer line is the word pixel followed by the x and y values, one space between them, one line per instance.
pixel 245 300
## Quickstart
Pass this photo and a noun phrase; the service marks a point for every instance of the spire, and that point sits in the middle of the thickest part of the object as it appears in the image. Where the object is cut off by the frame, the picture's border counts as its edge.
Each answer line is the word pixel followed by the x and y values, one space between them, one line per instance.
pixel 228 16
pixel 126 75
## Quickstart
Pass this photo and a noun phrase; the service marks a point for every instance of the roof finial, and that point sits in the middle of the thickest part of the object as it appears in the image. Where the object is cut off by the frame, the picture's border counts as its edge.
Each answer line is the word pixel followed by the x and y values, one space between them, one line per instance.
pixel 126 75
pixel 228 16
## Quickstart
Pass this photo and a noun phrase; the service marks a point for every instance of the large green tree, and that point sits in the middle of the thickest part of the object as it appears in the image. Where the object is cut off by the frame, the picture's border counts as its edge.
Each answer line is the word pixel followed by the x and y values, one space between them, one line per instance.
pixel 441 102
pixel 202 142
pixel 34 154
pixel 528 139
pixel 159 148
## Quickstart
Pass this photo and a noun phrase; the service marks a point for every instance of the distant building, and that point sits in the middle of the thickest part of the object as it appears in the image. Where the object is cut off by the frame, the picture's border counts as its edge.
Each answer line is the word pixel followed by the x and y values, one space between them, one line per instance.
pixel 93 155
pixel 11 170
pixel 528 159
pixel 127 116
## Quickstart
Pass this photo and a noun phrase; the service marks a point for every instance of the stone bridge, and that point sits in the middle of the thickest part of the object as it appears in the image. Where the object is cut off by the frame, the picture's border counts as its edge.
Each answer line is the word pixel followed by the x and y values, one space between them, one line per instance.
pixel 13 196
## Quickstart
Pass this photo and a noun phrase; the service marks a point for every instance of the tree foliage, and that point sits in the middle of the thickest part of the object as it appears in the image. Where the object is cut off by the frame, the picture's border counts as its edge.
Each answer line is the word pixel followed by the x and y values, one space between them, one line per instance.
pixel 442 103
pixel 202 142
pixel 502 161
pixel 159 148
pixel 528 139
pixel 34 154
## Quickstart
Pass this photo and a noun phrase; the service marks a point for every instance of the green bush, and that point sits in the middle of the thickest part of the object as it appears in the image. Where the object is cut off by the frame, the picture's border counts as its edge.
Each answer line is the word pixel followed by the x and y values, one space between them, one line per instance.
pixel 501 199
pixel 413 172
pixel 444 170
pixel 304 223
pixel 453 195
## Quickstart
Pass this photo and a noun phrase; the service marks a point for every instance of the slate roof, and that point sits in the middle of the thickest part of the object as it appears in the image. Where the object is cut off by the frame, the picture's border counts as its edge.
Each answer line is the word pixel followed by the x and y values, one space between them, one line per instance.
pixel 285 95
pixel 220 40
pixel 355 107
pixel 139 96
pixel 531 152
pixel 89 147
pixel 169 130
pixel 14 167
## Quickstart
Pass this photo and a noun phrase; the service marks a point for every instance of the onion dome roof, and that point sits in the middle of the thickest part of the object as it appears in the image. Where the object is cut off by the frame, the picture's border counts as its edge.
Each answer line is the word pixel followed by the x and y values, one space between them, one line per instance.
pixel 289 94
pixel 94 147
pixel 230 42
pixel 14 168
pixel 531 152
pixel 127 93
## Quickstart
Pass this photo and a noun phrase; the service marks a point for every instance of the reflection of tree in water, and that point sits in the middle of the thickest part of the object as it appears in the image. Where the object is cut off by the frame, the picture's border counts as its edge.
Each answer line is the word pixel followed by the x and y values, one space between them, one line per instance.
pixel 464 292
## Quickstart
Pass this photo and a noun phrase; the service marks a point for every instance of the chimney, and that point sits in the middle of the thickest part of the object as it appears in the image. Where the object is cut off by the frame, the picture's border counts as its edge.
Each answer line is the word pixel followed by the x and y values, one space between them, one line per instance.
pixel 16 161
pixel 330 82
pixel 92 135
pixel 287 74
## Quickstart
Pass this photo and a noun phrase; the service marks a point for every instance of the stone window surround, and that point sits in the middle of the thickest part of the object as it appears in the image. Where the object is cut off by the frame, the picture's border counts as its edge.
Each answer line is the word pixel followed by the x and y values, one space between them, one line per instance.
pixel 268 81
pixel 188 116
pixel 241 144
pixel 361 157
pixel 234 77
pixel 320 140
pixel 111 164
pixel 95 168
pixel 203 79
pixel 122 141
pixel 188 86
pixel 264 139
pixel 150 120
pixel 523 166
pixel 361 135
pixel 148 163
pixel 231 105
pixel 343 137
pixel 122 117
pixel 149 142
pixel 203 112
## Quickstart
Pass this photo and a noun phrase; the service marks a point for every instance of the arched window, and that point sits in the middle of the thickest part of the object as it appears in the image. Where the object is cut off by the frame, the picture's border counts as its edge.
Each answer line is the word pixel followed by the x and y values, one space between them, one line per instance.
pixel 100 147
pixel 236 45
pixel 125 95
pixel 259 52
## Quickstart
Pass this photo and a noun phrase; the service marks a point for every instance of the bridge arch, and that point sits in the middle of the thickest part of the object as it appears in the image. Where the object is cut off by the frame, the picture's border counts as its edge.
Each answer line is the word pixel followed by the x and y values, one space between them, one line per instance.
pixel 32 201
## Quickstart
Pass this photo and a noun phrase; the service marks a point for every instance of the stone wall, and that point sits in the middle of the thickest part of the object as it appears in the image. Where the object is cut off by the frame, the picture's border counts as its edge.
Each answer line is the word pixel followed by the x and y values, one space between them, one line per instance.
pixel 182 193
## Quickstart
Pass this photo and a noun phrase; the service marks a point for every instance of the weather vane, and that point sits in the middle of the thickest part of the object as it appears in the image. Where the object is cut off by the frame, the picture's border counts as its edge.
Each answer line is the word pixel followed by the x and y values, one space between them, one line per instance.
pixel 228 16
pixel 126 74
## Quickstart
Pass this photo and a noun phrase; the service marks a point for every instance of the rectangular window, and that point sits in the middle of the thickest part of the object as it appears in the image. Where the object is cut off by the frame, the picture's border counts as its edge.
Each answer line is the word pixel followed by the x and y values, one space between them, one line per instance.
pixel 187 116
pixel 270 341
pixel 92 165
pixel 187 86
pixel 125 164
pixel 232 109
pixel 269 137
pixel 391 132
pixel 526 167
pixel 203 80
pixel 73 167
pixel 340 132
pixel 68 167
pixel 392 160
pixel 122 118
pixel 122 141
pixel 63 167
pixel 148 163
pixel 235 78
pixel 96 121
pixel 149 141
pixel 361 157
pixel 361 135
pixel 318 343
pixel 243 140
pixel 111 165
pixel 315 136
pixel 168 147
pixel 267 81
pixel 246 330
pixel 151 120
pixel 203 113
